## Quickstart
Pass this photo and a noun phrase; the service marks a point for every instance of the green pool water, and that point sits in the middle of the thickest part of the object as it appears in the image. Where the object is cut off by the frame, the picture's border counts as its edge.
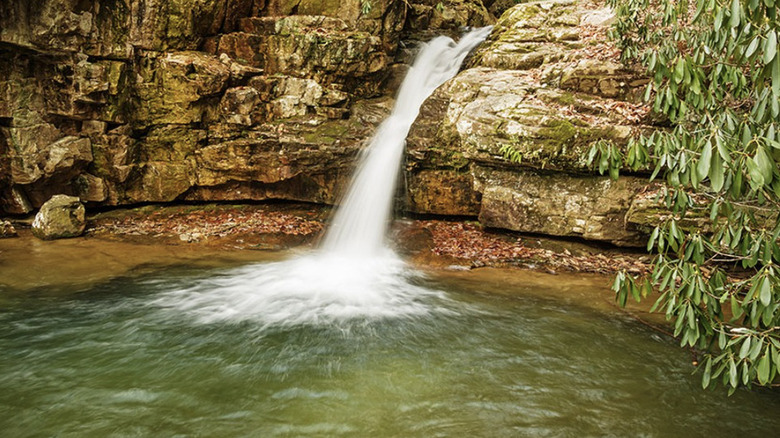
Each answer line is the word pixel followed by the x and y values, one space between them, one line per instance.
pixel 488 359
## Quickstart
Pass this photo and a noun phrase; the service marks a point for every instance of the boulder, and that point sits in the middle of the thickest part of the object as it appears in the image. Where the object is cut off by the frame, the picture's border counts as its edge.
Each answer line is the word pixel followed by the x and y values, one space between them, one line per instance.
pixel 65 157
pixel 7 229
pixel 481 112
pixel 61 216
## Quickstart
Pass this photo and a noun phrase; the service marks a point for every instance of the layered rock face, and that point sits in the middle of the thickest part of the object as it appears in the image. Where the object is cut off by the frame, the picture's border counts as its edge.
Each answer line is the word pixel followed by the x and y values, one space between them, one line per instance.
pixel 132 101
pixel 128 101
pixel 507 139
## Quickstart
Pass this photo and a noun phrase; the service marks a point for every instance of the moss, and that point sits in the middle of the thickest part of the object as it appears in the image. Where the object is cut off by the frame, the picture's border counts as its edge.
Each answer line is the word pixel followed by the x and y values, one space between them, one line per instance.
pixel 564 98
pixel 446 158
pixel 328 132
pixel 558 143
pixel 560 132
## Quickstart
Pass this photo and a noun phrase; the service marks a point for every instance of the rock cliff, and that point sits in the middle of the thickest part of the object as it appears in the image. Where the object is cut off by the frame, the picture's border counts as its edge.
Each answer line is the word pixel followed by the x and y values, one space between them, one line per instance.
pixel 129 101
pixel 507 139
pixel 132 101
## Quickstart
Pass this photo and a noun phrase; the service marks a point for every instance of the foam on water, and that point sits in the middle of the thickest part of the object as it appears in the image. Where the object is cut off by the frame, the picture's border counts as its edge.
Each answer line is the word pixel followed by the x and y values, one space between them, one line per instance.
pixel 315 289
pixel 354 274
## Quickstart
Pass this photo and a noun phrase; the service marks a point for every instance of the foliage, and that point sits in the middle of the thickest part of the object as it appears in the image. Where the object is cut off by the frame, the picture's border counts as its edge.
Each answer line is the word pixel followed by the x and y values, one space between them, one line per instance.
pixel 366 7
pixel 716 77
pixel 511 154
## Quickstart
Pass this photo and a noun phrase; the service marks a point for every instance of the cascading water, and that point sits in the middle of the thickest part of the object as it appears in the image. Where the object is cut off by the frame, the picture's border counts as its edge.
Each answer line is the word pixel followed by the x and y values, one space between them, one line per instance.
pixel 353 274
pixel 359 226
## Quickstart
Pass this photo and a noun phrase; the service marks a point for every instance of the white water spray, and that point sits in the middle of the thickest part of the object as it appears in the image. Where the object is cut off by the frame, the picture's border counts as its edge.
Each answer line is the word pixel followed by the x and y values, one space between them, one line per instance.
pixel 353 275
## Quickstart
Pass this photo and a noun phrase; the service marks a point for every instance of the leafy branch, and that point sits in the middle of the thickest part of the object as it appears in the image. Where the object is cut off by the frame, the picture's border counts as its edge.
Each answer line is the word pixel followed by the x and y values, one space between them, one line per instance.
pixel 715 69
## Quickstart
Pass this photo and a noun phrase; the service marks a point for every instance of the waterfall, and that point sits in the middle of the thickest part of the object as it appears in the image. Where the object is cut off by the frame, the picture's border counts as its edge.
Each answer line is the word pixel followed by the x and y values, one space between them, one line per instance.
pixel 360 224
pixel 353 276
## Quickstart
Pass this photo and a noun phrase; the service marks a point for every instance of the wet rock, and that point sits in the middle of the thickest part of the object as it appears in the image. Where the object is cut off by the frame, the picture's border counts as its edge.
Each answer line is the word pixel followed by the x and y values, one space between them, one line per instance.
pixel 443 191
pixel 91 188
pixel 61 216
pixel 15 201
pixel 7 229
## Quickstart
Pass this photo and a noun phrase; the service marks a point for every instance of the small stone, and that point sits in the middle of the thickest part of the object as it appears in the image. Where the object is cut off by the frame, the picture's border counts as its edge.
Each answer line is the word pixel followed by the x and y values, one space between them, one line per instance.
pixel 7 229
pixel 61 216
pixel 190 237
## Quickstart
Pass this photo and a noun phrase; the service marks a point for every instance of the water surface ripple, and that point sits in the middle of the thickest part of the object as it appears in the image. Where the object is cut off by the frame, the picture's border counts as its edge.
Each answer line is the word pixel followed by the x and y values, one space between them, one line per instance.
pixel 113 362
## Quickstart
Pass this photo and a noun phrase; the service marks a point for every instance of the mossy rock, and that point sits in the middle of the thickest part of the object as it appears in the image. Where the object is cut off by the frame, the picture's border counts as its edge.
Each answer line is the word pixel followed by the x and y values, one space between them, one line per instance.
pixel 60 217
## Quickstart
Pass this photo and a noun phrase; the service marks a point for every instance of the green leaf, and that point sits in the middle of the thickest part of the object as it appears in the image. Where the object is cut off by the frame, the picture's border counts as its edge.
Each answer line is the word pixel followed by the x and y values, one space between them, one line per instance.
pixel 717 23
pixel 776 356
pixel 735 13
pixel 763 369
pixel 765 294
pixel 755 350
pixel 705 380
pixel 770 48
pixel 722 151
pixel 703 168
pixel 745 349
pixel 764 164
pixel 653 236
pixel 717 173
pixel 751 49
pixel 679 72
pixel 736 309
pixel 732 373
pixel 756 177
pixel 614 173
